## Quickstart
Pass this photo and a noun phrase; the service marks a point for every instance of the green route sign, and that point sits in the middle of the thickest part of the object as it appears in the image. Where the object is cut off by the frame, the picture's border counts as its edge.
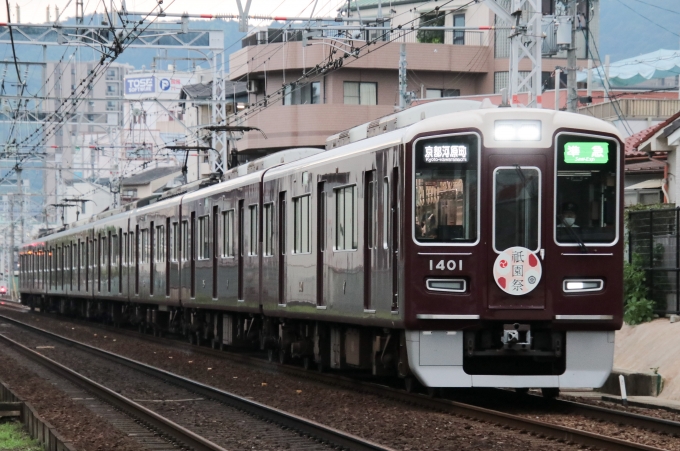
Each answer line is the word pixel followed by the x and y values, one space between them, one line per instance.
pixel 597 153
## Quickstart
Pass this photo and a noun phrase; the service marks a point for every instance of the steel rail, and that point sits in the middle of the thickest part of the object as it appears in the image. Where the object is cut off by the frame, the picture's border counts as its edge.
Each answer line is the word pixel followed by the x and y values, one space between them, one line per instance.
pixel 617 416
pixel 454 407
pixel 276 416
pixel 131 408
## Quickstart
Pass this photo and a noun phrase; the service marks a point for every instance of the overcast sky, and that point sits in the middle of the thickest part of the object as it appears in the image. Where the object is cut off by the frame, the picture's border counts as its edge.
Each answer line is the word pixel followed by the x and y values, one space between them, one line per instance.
pixel 35 10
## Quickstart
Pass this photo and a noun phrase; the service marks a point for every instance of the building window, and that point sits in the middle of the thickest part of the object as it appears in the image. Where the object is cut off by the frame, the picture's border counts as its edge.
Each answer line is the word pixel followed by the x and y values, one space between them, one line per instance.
pixel 228 233
pixel 301 232
pixel 110 105
pixel 130 192
pixel 111 74
pixel 346 237
pixel 459 35
pixel 203 237
pixel 252 246
pixel 439 93
pixel 111 89
pixel 160 244
pixel 268 229
pixel 303 94
pixel 361 93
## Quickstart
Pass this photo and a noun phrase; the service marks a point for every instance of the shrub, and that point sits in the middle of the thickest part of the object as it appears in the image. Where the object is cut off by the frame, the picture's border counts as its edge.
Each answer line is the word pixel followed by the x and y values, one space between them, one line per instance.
pixel 637 308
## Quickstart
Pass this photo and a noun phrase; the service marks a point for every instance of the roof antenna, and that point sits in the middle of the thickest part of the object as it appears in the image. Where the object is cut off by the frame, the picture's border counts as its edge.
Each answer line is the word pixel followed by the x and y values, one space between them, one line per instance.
pixel 504 98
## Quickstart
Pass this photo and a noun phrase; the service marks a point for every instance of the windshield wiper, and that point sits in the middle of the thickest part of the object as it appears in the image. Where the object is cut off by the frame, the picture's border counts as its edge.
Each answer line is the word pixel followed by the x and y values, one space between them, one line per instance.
pixel 579 241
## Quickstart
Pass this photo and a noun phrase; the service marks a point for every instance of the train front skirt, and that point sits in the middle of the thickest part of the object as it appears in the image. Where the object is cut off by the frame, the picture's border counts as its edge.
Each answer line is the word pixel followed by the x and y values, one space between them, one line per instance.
pixel 436 359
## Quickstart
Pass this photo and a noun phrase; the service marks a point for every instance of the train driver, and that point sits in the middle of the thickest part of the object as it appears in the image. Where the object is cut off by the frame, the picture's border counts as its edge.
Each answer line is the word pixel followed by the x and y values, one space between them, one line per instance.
pixel 568 216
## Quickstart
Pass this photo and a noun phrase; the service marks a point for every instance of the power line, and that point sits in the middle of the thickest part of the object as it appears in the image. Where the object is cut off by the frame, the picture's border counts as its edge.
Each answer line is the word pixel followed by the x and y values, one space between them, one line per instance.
pixel 648 19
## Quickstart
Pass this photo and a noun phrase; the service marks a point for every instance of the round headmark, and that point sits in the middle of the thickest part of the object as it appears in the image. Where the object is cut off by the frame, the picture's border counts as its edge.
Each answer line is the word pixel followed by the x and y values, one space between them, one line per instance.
pixel 517 270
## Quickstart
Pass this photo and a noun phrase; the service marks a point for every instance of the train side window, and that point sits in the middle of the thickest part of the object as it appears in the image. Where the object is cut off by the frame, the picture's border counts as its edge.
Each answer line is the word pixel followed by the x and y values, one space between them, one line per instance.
pixel 369 220
pixel 124 257
pixel 203 237
pixel 105 251
pixel 228 233
pixel 96 250
pixel 160 244
pixel 114 250
pixel 184 250
pixel 268 229
pixel 446 201
pixel 301 225
pixel 131 252
pixel 252 242
pixel 145 246
pixel 174 241
pixel 346 235
pixel 386 212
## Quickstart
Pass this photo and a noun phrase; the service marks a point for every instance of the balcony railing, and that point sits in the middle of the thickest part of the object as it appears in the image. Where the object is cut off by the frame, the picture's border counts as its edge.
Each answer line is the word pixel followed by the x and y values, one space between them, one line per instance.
pixel 451 37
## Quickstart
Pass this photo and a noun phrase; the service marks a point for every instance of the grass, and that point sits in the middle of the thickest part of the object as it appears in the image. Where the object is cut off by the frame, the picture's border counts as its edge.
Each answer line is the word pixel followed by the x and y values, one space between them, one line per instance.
pixel 13 437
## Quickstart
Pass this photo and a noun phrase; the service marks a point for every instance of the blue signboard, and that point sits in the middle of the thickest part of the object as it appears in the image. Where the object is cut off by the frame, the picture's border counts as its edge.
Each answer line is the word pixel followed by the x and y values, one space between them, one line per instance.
pixel 164 84
pixel 142 85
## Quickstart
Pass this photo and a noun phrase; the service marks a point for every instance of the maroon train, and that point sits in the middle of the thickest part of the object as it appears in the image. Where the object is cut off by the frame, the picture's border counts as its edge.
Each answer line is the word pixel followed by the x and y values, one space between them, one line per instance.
pixel 460 244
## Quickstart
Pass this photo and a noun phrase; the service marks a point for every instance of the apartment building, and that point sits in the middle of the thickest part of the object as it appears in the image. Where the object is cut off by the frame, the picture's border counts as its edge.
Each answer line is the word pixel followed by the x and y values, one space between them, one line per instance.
pixel 439 64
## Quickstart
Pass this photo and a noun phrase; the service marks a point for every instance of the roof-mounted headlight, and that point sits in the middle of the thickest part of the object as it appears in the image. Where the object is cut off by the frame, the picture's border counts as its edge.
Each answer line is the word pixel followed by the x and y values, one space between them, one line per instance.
pixel 517 130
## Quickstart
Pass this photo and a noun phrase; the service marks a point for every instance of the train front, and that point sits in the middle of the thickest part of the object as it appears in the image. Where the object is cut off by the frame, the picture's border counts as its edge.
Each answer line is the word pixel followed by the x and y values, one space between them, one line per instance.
pixel 513 247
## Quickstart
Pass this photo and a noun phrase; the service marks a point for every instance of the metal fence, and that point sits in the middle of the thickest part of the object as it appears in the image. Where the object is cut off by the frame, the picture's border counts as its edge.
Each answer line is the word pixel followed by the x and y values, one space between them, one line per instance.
pixel 653 241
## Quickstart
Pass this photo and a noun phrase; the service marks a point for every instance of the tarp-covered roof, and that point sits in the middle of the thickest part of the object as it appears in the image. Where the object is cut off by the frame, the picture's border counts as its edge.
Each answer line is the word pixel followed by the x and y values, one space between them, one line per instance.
pixel 631 71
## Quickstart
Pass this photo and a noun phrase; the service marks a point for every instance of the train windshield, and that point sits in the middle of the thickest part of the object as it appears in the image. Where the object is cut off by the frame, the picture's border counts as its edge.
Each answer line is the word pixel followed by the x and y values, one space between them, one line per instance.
pixel 586 190
pixel 446 191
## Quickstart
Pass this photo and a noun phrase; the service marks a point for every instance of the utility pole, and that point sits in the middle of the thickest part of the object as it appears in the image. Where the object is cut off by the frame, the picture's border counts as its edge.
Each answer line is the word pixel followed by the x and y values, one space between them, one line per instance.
pixel 20 195
pixel 402 77
pixel 572 93
pixel 526 41
pixel 12 288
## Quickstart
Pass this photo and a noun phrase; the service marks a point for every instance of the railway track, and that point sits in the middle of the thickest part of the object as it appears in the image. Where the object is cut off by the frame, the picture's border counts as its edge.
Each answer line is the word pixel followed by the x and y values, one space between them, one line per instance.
pixel 305 430
pixel 463 409
pixel 507 397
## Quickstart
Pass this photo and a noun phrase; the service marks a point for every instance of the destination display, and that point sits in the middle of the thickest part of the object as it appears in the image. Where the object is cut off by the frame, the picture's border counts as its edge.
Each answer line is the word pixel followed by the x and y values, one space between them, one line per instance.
pixel 597 153
pixel 451 153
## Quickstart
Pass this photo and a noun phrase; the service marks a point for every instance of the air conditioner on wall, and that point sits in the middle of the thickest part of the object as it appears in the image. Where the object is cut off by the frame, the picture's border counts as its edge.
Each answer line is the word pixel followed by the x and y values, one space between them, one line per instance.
pixel 253 86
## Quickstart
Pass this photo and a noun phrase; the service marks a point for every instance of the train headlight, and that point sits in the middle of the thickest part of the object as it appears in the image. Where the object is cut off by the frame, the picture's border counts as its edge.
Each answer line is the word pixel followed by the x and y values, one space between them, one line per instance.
pixel 582 285
pixel 450 285
pixel 517 130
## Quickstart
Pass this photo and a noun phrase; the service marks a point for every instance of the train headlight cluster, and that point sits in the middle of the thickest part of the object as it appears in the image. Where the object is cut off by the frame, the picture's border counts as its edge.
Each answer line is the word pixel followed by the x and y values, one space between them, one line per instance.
pixel 517 130
pixel 582 285
pixel 450 285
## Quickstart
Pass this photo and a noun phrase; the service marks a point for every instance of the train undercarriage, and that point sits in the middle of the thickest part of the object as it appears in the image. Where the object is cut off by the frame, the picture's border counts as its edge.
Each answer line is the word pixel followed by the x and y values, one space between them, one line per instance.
pixel 498 355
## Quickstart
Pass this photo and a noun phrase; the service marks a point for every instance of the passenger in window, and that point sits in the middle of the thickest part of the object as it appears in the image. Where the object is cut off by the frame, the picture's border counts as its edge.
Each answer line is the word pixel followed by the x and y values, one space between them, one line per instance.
pixel 431 226
pixel 568 216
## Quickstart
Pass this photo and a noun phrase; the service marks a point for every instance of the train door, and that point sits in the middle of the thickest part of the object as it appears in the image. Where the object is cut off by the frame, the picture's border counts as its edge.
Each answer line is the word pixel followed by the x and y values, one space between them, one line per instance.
pixel 321 244
pixel 369 236
pixel 282 248
pixel 516 215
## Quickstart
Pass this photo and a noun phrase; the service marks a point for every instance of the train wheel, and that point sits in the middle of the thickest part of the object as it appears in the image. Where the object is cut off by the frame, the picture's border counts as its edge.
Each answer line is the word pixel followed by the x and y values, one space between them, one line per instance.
pixel 433 392
pixel 550 392
pixel 522 391
pixel 306 363
pixel 283 356
pixel 409 384
pixel 271 355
